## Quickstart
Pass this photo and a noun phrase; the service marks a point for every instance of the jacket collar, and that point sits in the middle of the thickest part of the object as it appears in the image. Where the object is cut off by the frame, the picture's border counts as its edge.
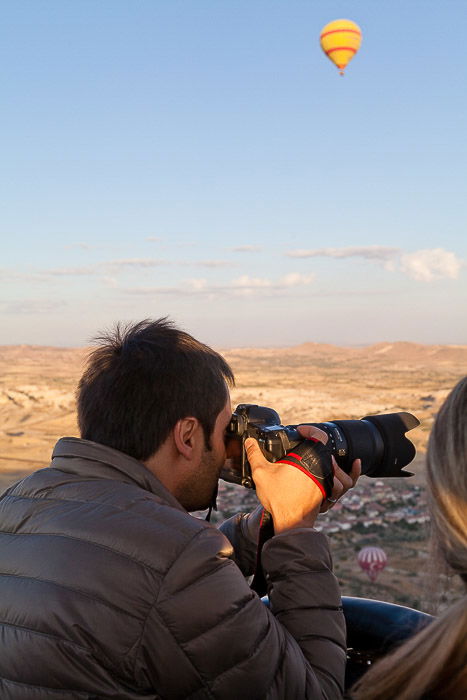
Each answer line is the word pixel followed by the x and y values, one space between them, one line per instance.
pixel 96 461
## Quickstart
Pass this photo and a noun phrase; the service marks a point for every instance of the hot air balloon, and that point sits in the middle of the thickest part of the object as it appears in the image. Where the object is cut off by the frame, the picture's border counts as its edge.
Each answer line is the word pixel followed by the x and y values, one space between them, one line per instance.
pixel 340 41
pixel 372 560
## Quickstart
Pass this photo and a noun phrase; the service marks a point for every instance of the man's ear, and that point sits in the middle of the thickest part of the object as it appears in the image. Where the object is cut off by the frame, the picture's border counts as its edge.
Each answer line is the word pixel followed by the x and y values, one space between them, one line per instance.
pixel 188 434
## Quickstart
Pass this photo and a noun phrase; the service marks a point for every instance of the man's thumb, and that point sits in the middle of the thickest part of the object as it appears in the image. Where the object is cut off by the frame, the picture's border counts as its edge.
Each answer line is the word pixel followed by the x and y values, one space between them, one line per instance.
pixel 253 452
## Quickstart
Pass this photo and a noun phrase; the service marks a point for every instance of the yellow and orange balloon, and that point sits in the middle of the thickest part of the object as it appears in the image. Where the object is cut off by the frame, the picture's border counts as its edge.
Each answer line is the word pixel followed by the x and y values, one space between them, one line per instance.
pixel 340 41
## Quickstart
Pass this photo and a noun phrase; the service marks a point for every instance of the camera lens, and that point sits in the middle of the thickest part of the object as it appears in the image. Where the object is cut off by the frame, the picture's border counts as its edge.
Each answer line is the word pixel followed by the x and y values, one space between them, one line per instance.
pixel 379 441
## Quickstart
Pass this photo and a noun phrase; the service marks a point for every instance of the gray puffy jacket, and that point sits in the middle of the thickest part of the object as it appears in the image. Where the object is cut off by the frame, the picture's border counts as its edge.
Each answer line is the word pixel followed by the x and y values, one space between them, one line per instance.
pixel 109 589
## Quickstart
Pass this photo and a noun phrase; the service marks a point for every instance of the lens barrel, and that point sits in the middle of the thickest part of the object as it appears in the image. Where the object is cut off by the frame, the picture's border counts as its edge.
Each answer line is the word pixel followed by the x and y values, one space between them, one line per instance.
pixel 379 441
pixel 350 439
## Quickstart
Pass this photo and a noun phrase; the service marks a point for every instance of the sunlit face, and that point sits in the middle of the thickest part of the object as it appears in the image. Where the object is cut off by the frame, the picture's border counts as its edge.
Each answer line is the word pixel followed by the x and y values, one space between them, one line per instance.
pixel 200 485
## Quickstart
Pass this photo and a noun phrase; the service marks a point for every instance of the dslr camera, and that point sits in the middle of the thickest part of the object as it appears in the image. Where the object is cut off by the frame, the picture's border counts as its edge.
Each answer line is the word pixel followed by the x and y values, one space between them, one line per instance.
pixel 379 441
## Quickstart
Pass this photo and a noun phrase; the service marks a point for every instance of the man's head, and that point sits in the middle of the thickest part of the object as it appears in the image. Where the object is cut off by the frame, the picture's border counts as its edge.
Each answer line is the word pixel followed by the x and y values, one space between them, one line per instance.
pixel 186 466
pixel 143 379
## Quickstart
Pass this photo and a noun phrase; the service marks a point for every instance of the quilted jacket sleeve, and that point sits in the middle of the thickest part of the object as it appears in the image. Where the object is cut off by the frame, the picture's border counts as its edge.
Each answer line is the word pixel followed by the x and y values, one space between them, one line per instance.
pixel 208 635
pixel 242 531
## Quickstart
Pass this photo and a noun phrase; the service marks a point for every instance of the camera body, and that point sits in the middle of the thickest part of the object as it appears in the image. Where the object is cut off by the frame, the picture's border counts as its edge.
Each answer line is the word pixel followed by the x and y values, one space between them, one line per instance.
pixel 379 441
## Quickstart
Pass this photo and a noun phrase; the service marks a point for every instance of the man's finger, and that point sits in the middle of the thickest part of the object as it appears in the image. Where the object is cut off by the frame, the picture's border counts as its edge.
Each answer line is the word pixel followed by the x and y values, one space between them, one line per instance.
pixel 311 432
pixel 253 452
pixel 344 478
pixel 356 471
pixel 338 489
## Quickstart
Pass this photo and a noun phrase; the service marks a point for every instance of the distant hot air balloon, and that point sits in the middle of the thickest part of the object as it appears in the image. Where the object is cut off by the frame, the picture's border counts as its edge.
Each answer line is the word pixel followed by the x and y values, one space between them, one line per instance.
pixel 372 560
pixel 340 41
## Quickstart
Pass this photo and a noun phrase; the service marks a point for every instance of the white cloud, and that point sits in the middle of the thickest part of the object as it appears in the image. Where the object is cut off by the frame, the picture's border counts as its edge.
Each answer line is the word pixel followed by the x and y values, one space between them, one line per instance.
pixel 69 271
pixel 109 281
pixel 246 249
pixel 179 290
pixel 421 265
pixel 294 279
pixel 153 239
pixel 115 266
pixel 251 282
pixel 32 307
pixel 240 286
pixel 135 262
pixel 209 263
pixel 102 268
pixel 197 285
pixel 82 246
pixel 427 265
pixel 13 275
pixel 370 252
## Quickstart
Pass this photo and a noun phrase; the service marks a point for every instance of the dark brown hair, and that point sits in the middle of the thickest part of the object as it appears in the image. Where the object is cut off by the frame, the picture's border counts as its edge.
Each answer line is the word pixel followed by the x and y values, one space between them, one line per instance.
pixel 142 379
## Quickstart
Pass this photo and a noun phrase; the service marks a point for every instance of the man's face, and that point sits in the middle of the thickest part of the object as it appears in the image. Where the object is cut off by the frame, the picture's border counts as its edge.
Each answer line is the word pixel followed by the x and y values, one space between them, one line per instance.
pixel 200 485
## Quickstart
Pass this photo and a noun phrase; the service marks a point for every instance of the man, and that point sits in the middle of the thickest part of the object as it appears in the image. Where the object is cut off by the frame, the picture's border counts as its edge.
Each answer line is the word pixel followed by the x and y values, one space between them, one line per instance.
pixel 110 589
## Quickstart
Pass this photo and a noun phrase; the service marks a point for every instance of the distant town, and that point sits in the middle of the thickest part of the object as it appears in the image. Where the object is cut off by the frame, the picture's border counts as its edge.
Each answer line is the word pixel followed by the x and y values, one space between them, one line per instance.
pixel 376 504
pixel 373 504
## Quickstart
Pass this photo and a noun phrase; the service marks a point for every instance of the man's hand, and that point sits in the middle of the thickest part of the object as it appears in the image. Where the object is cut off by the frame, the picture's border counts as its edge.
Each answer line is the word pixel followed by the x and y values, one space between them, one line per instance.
pixel 292 498
pixel 342 481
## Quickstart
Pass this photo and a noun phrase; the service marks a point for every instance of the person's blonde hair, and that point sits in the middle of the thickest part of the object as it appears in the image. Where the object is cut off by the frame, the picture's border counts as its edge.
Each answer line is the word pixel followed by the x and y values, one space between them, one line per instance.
pixel 433 663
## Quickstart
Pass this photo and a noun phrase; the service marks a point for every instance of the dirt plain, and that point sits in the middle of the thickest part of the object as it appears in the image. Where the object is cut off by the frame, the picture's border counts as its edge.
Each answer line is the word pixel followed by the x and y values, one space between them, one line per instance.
pixel 309 382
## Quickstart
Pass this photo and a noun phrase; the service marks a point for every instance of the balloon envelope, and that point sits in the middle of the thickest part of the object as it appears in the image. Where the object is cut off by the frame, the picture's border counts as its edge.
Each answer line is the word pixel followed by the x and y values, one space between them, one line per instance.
pixel 372 560
pixel 340 41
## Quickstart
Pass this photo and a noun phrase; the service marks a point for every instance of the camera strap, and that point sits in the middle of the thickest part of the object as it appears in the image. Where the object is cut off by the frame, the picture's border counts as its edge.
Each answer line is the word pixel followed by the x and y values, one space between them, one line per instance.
pixel 213 504
pixel 314 459
pixel 266 531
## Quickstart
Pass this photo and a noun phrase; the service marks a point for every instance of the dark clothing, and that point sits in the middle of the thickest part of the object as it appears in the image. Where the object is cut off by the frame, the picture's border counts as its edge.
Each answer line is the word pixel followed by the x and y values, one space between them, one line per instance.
pixel 110 589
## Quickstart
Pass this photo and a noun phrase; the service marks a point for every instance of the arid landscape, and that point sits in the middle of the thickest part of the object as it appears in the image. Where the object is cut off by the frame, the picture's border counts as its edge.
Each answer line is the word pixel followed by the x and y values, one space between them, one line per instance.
pixel 309 382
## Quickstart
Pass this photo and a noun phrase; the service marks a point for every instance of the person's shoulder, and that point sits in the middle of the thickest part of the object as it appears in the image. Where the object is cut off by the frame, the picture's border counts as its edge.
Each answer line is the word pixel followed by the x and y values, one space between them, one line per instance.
pixel 156 534
pixel 116 514
pixel 151 528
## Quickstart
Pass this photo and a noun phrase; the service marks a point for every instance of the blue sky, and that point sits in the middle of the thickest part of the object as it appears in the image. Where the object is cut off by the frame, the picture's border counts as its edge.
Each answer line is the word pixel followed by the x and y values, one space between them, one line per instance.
pixel 204 160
